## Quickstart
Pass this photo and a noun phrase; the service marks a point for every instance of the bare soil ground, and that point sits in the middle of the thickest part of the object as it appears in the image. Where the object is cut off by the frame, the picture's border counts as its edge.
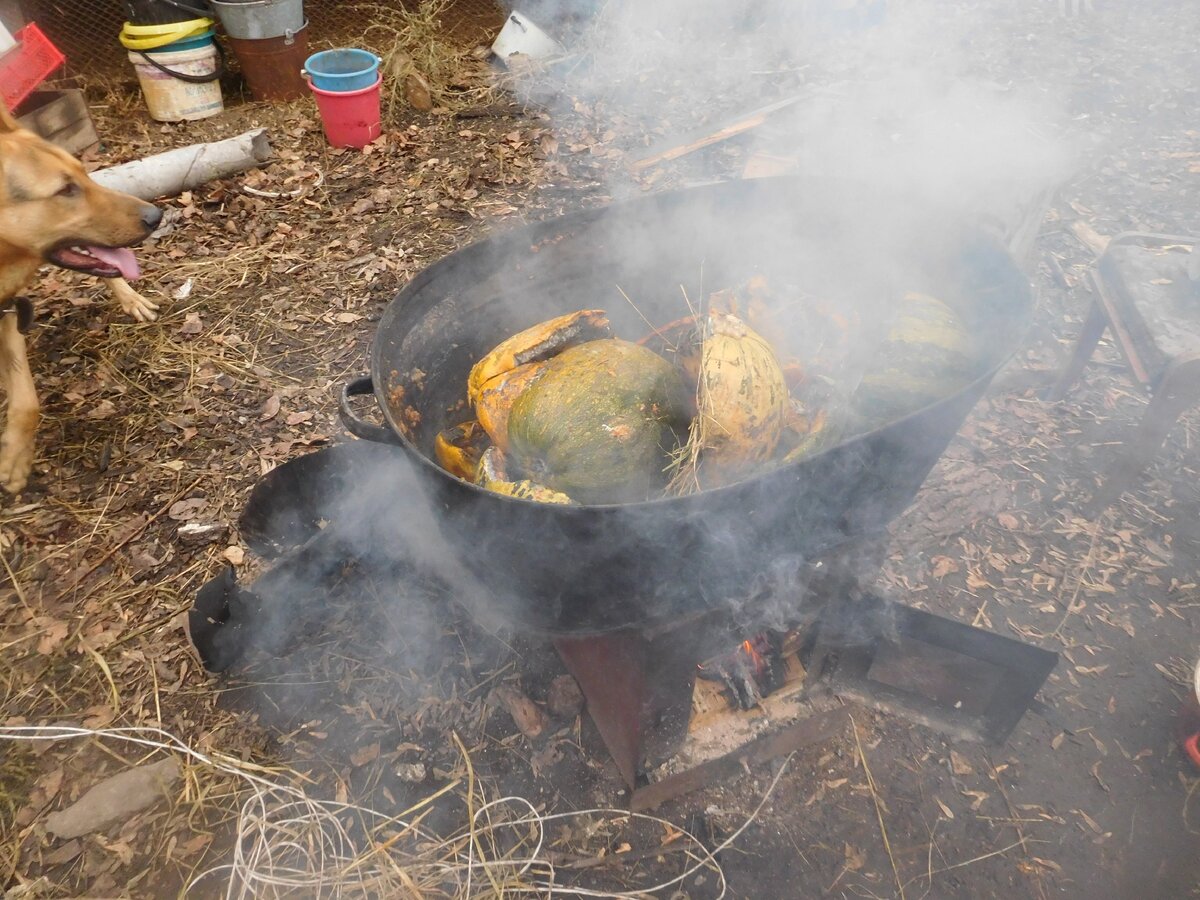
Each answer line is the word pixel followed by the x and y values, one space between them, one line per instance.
pixel 269 304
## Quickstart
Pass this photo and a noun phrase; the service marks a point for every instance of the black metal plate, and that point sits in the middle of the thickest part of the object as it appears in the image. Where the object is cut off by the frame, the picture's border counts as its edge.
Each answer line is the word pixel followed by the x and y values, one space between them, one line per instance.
pixel 953 677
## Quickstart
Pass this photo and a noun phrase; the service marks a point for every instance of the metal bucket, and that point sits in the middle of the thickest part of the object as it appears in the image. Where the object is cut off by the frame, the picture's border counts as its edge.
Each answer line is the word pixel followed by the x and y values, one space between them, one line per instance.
pixel 256 20
pixel 272 66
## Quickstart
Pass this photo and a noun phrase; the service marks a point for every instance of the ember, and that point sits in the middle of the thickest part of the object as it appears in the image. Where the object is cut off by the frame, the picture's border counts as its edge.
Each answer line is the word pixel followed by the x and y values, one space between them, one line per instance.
pixel 751 672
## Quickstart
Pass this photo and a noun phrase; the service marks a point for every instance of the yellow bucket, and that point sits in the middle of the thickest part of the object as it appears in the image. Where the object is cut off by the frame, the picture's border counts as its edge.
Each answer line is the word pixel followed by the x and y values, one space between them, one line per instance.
pixel 150 37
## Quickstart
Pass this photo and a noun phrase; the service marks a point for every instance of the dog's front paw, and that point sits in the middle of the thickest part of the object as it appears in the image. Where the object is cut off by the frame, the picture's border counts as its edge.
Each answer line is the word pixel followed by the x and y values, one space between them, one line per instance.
pixel 131 302
pixel 137 306
pixel 16 462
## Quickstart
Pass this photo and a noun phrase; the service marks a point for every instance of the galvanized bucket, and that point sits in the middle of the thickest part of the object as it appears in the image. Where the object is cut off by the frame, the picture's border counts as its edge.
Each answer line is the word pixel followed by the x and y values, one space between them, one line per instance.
pixel 254 20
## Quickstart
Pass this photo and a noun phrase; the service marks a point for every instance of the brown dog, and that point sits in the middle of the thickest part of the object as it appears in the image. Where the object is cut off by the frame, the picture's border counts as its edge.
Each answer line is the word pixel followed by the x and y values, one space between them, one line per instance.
pixel 51 212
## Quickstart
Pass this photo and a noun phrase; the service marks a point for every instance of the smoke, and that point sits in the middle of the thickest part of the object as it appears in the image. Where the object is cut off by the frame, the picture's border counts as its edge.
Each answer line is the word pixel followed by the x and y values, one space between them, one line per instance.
pixel 893 96
pixel 890 94
pixel 889 101
pixel 353 549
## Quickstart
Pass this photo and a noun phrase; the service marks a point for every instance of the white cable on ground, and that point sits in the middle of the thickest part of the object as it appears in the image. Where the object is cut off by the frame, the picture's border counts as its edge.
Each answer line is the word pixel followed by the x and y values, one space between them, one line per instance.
pixel 287 841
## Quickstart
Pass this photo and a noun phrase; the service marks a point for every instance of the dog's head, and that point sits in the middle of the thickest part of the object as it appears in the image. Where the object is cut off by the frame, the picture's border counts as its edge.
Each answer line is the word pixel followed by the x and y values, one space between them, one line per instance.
pixel 51 210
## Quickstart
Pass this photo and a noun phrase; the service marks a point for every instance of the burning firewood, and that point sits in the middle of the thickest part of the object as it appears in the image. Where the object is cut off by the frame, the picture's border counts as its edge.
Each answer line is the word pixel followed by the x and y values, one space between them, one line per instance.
pixel 750 672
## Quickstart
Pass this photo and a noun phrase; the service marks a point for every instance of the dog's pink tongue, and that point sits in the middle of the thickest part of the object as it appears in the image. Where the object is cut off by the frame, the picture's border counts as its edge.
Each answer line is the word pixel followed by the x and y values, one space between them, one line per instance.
pixel 119 257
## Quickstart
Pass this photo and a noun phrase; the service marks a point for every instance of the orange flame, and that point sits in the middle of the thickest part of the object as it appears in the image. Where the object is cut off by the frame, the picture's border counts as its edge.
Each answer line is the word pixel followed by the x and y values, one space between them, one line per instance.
pixel 755 657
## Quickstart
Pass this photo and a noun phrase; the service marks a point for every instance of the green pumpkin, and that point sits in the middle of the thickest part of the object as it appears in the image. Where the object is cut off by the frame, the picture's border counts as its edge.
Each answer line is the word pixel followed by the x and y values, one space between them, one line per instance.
pixel 600 422
pixel 926 357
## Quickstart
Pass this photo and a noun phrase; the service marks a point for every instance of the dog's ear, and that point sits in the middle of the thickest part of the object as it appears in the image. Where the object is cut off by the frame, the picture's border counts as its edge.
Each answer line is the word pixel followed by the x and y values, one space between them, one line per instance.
pixel 7 122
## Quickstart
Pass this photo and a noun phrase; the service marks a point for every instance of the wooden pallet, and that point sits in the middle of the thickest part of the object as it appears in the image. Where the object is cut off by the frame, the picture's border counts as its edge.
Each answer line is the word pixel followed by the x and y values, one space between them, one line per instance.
pixel 62 118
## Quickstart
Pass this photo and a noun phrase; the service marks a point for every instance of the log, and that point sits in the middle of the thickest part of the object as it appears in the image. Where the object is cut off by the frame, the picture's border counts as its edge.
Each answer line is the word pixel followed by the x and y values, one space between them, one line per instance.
pixel 175 171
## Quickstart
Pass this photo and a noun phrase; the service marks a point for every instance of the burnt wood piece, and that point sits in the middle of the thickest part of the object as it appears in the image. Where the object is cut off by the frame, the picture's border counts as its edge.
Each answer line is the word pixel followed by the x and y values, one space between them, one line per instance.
pixel 952 677
pixel 809 730
pixel 638 683
pixel 1152 314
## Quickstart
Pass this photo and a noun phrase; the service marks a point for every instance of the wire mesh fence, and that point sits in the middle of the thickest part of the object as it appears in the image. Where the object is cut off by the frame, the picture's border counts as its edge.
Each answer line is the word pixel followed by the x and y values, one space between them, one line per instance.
pixel 86 30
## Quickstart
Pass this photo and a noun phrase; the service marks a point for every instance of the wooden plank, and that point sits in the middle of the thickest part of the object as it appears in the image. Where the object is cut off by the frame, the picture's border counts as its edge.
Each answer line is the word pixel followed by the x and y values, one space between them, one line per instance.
pixel 1089 237
pixel 809 730
pixel 765 165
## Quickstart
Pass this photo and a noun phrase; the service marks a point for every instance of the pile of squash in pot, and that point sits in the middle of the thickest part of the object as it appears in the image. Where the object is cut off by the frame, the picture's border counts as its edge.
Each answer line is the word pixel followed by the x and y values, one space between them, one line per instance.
pixel 567 412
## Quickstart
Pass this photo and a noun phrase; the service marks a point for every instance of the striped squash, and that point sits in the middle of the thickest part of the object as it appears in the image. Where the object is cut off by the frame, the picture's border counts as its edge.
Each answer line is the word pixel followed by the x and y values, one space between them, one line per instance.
pixel 926 357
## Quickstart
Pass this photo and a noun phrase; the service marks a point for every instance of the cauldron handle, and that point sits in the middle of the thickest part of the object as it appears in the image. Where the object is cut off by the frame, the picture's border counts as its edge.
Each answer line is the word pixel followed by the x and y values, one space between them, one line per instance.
pixel 358 387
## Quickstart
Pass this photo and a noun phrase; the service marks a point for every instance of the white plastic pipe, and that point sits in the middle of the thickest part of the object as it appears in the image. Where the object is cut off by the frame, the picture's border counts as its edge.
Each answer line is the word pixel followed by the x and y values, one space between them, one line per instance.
pixel 175 171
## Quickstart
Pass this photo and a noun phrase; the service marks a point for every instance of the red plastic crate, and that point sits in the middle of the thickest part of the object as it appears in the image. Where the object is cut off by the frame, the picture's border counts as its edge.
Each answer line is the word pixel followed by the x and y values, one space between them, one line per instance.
pixel 27 65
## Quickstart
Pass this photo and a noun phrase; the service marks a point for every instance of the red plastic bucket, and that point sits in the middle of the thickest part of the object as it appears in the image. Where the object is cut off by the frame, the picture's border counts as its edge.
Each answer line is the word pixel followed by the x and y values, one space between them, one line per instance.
pixel 350 118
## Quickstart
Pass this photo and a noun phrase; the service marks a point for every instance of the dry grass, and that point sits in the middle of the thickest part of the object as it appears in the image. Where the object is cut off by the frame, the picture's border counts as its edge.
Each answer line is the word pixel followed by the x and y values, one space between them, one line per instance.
pixel 134 417
pixel 887 844
pixel 19 765
pixel 414 43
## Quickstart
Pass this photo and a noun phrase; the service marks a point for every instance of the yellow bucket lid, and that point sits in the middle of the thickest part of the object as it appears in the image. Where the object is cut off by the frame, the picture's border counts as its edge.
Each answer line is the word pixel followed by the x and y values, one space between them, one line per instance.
pixel 150 37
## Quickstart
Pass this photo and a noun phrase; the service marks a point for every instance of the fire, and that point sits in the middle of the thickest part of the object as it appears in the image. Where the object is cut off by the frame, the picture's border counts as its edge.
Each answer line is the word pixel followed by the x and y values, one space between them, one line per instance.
pixel 750 672
pixel 756 659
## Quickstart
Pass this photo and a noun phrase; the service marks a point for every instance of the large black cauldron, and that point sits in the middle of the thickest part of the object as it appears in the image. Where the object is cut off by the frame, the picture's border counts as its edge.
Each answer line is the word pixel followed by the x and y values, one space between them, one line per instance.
pixel 588 569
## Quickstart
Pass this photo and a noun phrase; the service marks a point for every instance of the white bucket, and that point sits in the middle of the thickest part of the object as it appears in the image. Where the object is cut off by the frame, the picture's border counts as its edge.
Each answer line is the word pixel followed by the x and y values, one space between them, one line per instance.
pixel 519 35
pixel 171 99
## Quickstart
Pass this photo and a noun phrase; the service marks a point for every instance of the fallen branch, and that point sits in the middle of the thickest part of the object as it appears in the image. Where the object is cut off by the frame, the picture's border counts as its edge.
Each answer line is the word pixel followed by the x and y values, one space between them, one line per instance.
pixel 175 171
pixel 673 148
